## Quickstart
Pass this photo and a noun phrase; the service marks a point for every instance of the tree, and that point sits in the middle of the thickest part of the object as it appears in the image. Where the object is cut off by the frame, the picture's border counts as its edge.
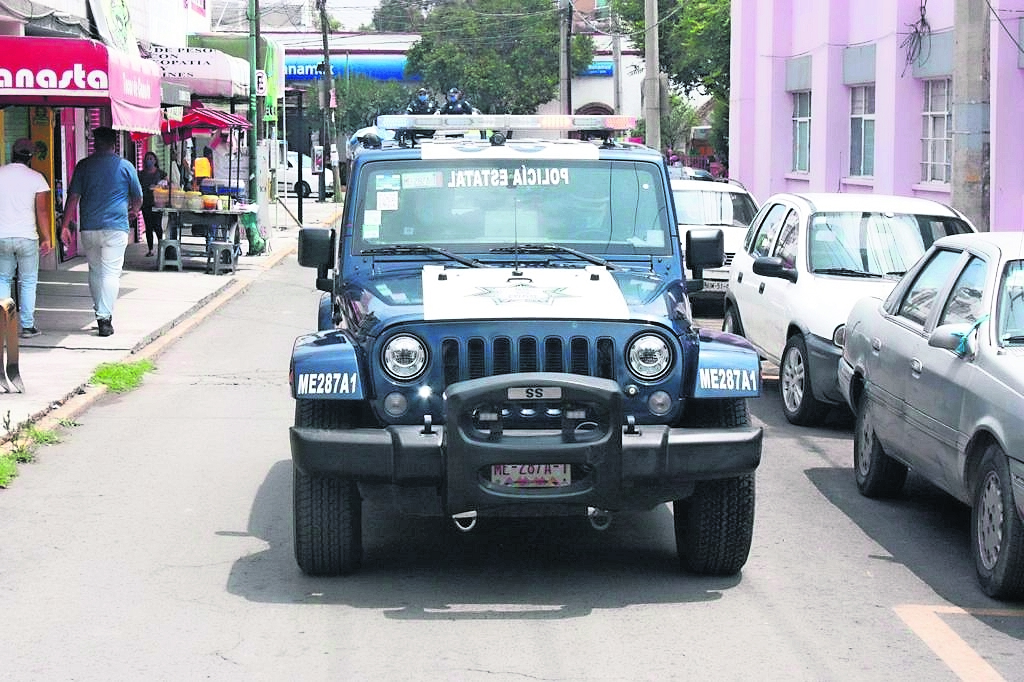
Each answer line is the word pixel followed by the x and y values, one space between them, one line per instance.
pixel 503 57
pixel 400 16
pixel 693 41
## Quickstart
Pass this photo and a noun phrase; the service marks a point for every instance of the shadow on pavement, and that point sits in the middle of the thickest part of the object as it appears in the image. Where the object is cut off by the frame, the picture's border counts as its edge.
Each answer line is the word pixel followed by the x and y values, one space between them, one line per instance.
pixel 423 569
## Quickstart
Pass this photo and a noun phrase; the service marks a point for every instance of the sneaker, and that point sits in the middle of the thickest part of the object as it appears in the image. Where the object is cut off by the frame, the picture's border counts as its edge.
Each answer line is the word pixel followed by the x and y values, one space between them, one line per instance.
pixel 106 328
pixel 149 254
pixel 29 332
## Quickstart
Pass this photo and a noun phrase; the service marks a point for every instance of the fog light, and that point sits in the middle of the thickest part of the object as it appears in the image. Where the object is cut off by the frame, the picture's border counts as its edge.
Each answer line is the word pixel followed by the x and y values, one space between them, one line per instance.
pixel 395 404
pixel 660 403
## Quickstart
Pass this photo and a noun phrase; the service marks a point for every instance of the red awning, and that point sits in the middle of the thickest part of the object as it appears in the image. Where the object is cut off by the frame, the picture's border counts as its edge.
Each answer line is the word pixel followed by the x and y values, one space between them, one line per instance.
pixel 73 72
pixel 200 119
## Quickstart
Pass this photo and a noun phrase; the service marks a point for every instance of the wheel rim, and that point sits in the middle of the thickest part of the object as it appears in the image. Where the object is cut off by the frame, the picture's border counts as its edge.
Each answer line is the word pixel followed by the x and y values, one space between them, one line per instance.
pixel 793 377
pixel 990 521
pixel 865 440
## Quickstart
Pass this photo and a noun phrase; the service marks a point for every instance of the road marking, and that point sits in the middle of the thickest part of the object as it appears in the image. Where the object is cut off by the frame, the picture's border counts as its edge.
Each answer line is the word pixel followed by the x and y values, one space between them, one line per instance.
pixel 926 622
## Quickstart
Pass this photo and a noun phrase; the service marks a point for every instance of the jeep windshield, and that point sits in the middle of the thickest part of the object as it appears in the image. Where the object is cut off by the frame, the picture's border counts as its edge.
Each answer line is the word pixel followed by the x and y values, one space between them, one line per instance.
pixel 872 244
pixel 590 206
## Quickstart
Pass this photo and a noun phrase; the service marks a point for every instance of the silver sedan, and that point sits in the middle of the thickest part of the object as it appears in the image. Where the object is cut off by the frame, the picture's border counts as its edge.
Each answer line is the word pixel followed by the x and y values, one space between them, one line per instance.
pixel 935 375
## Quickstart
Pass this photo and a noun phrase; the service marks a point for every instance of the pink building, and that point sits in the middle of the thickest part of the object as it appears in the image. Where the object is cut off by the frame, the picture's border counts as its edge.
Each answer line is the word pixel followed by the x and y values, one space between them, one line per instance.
pixel 857 96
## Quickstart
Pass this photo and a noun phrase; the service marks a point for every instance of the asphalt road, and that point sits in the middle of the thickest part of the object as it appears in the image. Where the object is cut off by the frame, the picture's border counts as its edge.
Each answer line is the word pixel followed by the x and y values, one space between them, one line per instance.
pixel 155 543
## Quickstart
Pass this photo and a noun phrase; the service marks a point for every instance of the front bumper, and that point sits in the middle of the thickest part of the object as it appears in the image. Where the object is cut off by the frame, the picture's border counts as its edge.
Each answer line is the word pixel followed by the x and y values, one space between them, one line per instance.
pixel 823 359
pixel 614 467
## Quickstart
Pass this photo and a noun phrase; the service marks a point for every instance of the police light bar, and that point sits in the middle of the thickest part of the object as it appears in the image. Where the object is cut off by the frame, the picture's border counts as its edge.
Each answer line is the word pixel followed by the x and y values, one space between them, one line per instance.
pixel 441 123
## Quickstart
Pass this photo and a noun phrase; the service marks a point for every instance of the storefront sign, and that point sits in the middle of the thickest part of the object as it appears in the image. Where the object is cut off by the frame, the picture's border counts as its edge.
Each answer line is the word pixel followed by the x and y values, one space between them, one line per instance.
pixel 80 73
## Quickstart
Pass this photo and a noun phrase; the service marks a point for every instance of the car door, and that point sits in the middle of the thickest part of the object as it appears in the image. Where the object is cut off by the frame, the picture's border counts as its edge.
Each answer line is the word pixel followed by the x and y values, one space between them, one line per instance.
pixel 778 294
pixel 745 285
pixel 897 345
pixel 935 399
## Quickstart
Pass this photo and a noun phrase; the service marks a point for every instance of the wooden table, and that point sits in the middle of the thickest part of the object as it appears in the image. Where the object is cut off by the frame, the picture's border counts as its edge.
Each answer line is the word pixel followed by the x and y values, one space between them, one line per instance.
pixel 212 227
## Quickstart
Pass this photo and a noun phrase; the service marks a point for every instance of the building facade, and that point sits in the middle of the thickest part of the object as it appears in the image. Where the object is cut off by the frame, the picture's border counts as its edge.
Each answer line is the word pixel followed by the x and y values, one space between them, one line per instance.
pixel 860 96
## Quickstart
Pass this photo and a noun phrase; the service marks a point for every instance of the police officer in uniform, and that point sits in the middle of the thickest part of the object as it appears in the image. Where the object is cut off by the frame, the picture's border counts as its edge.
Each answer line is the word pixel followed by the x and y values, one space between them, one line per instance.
pixel 419 106
pixel 455 104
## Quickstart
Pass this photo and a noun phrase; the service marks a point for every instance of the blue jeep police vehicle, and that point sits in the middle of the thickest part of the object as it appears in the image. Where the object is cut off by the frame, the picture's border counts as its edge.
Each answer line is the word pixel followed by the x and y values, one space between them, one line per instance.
pixel 505 331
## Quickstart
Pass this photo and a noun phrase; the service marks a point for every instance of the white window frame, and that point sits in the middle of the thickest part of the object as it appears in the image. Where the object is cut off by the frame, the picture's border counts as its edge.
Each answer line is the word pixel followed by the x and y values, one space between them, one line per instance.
pixel 862 130
pixel 802 131
pixel 937 132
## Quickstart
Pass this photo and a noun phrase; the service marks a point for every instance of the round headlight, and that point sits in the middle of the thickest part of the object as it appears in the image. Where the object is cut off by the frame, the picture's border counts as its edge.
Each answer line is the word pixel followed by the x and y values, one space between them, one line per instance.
pixel 404 357
pixel 649 356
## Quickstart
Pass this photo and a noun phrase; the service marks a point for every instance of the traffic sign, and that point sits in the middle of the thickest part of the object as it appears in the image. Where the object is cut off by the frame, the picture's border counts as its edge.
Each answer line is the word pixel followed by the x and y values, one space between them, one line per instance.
pixel 261 83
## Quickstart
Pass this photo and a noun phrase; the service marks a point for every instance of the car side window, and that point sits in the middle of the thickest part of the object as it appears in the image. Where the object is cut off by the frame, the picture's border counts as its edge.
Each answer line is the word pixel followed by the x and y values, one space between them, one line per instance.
pixel 788 237
pixel 920 298
pixel 964 304
pixel 769 228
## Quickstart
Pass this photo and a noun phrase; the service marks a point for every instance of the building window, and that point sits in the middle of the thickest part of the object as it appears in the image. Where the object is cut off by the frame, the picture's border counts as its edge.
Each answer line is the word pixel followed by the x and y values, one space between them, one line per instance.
pixel 937 131
pixel 862 130
pixel 802 131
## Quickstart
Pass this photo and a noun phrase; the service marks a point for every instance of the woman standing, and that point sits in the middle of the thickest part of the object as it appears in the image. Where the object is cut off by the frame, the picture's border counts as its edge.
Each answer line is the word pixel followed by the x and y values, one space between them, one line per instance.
pixel 150 175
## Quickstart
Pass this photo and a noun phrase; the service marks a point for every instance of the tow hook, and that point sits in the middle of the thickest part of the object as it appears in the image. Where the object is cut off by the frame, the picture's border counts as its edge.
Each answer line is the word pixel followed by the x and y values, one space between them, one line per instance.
pixel 465 521
pixel 600 519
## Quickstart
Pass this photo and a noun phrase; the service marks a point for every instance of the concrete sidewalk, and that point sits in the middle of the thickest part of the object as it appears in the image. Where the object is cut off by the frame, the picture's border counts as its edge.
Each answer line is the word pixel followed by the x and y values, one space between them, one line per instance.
pixel 153 308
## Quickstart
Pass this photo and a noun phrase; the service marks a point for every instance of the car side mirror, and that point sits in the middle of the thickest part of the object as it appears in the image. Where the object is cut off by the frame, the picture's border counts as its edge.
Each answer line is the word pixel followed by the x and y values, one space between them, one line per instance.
pixel 316 249
pixel 773 266
pixel 705 248
pixel 952 338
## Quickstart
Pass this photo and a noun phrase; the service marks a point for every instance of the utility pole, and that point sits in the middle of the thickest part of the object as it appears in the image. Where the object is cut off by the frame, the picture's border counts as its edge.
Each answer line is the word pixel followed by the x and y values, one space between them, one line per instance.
pixel 326 100
pixel 616 65
pixel 971 142
pixel 254 22
pixel 563 61
pixel 652 76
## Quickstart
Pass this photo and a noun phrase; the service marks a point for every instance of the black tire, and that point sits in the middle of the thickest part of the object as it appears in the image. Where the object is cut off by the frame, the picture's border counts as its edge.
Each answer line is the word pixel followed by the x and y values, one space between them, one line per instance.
pixel 798 401
pixel 714 526
pixel 877 474
pixel 327 511
pixel 302 189
pixel 997 532
pixel 731 321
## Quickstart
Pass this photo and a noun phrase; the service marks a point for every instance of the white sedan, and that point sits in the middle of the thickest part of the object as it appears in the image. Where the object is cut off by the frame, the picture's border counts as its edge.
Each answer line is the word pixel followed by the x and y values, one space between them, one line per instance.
pixel 288 177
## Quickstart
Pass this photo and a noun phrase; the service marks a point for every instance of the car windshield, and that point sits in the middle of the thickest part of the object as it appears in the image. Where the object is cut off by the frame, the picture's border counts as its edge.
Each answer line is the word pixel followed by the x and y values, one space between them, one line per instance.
pixel 1010 328
pixel 703 207
pixel 597 207
pixel 874 243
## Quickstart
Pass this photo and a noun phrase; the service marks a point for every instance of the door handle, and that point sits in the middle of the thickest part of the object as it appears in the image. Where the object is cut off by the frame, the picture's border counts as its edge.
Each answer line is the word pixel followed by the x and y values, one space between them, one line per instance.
pixel 876 344
pixel 760 289
pixel 916 366
pixel 739 278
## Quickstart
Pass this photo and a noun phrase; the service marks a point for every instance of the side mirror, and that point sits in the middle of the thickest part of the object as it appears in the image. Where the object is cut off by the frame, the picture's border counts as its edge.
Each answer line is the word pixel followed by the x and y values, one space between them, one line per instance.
pixel 951 338
pixel 773 266
pixel 317 250
pixel 705 248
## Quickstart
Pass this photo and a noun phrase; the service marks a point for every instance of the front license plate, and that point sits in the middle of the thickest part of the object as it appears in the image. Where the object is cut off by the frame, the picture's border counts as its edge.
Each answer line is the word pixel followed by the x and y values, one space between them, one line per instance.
pixel 531 475
pixel 535 393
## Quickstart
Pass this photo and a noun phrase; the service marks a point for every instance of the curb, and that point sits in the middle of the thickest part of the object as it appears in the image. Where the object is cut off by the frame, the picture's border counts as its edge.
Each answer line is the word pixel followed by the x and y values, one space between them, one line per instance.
pixel 86 395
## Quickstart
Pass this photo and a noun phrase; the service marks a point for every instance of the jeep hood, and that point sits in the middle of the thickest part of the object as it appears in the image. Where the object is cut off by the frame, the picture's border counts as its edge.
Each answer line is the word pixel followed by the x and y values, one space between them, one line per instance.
pixel 594 292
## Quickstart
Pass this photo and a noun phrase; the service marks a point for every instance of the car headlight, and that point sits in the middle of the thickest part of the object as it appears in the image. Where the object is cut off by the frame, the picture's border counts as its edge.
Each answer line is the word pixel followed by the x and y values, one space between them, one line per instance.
pixel 649 356
pixel 404 357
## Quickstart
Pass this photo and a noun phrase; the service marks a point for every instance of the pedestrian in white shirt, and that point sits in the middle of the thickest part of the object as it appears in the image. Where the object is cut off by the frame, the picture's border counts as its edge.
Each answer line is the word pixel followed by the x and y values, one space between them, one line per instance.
pixel 24 230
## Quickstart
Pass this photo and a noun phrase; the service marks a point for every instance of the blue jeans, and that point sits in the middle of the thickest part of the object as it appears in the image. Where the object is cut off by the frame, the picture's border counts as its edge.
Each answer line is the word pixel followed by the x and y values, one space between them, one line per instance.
pixel 104 252
pixel 22 254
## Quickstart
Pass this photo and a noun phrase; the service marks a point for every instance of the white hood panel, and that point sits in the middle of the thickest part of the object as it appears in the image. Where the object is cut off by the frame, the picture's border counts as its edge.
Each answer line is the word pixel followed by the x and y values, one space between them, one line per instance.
pixel 544 293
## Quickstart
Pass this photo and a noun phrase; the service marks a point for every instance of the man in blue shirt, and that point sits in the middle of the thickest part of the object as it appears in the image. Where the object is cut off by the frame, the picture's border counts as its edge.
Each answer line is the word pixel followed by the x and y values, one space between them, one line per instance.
pixel 106 191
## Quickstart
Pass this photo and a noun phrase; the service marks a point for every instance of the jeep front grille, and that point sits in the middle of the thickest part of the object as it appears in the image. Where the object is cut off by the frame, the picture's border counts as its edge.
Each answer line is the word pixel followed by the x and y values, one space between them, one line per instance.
pixel 576 355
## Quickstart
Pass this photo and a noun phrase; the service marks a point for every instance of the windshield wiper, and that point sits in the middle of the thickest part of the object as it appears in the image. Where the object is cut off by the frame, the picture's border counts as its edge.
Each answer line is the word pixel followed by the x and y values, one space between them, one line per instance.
pixel 554 248
pixel 400 249
pixel 849 272
pixel 1016 338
